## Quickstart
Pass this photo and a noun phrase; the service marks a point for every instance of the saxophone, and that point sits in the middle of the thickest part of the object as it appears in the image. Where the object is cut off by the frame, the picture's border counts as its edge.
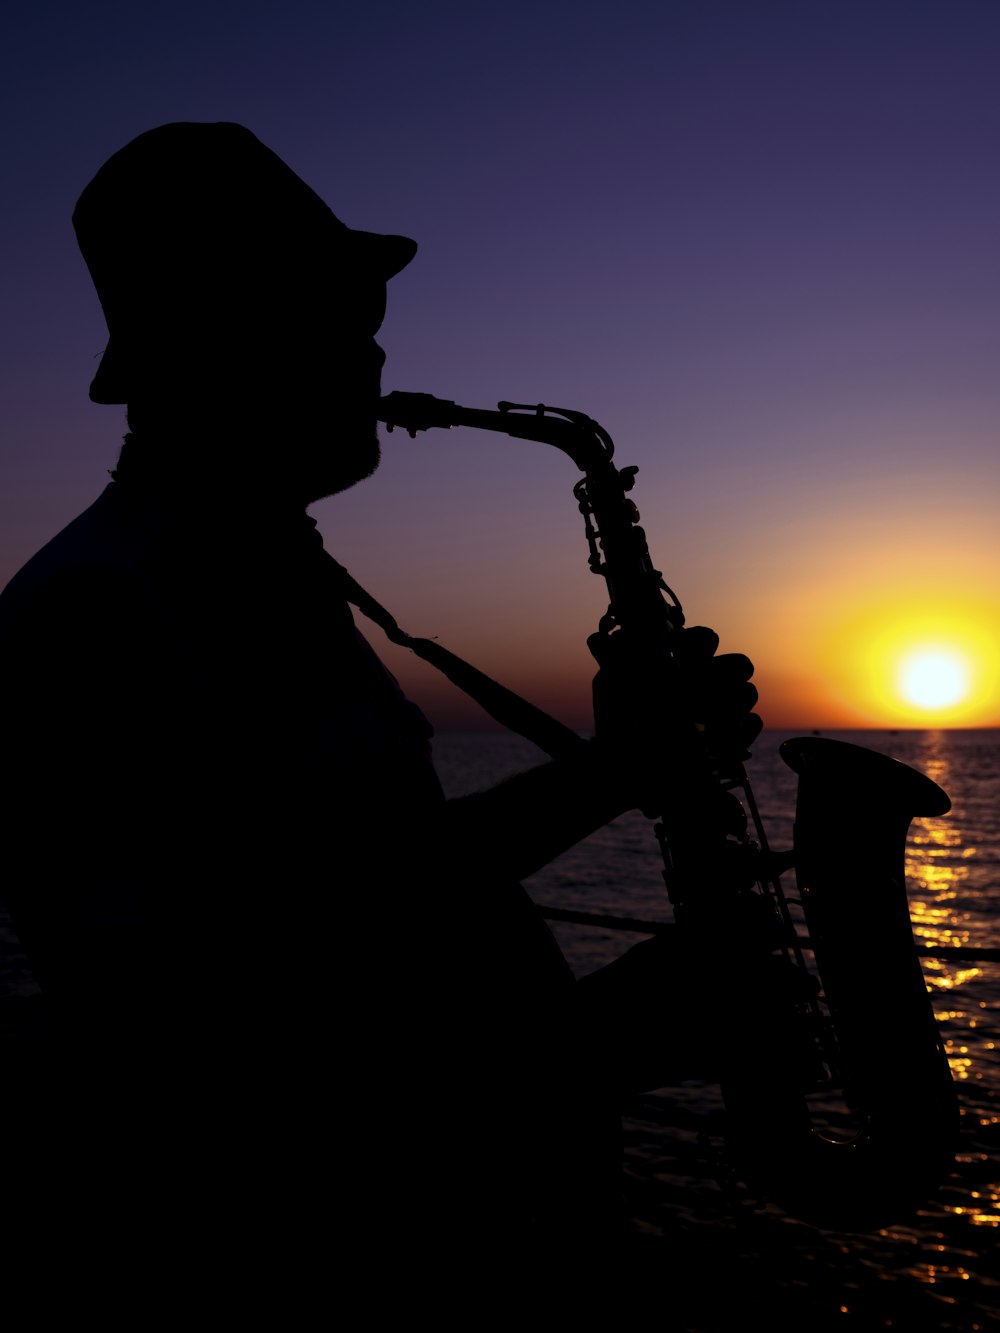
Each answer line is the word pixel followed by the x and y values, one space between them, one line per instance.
pixel 860 1021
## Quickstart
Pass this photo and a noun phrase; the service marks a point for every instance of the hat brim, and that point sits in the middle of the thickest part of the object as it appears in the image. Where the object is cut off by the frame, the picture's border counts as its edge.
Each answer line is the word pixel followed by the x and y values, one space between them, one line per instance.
pixel 387 255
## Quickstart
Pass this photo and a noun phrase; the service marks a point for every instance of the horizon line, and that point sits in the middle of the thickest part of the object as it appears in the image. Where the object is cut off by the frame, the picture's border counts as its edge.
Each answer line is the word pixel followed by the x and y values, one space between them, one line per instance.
pixel 497 729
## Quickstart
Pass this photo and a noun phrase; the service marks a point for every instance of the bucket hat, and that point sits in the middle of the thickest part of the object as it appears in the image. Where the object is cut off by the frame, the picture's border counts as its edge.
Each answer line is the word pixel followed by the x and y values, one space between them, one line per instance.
pixel 195 228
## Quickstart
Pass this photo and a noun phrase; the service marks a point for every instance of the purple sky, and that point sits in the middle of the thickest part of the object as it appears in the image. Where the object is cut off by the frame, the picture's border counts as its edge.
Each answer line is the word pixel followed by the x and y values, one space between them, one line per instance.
pixel 757 241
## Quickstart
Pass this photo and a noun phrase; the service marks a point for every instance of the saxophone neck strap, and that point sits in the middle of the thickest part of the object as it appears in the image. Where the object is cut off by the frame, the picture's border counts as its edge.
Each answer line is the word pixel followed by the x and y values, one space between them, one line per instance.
pixel 503 705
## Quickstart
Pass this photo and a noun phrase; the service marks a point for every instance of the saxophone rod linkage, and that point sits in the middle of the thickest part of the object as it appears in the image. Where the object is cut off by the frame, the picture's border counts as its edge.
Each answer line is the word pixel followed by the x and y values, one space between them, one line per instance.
pixel 579 436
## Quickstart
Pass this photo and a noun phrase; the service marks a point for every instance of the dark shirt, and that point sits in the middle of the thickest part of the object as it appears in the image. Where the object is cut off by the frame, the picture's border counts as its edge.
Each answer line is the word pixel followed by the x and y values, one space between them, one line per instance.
pixel 230 861
pixel 194 726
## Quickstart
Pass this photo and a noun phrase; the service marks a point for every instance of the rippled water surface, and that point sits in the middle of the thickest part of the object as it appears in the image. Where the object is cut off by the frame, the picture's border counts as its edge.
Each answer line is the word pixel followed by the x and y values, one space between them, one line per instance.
pixel 940 1270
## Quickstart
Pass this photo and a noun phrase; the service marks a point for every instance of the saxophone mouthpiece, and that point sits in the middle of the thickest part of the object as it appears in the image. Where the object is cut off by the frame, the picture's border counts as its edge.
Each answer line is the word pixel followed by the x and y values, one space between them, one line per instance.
pixel 415 411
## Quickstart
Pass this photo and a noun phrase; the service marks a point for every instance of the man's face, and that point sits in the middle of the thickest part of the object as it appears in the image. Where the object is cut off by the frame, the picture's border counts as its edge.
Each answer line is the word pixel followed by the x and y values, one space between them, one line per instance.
pixel 286 380
pixel 334 370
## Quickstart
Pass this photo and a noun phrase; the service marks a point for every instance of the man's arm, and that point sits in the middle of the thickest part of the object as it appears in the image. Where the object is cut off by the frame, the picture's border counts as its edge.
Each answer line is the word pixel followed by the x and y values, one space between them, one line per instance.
pixel 533 817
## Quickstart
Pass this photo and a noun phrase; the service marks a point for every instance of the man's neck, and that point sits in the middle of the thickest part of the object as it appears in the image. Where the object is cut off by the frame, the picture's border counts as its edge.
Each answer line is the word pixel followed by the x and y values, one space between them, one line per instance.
pixel 203 473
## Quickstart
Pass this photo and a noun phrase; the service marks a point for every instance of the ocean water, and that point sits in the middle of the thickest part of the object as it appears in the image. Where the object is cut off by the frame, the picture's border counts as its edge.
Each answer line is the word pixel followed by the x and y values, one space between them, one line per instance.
pixel 938 1271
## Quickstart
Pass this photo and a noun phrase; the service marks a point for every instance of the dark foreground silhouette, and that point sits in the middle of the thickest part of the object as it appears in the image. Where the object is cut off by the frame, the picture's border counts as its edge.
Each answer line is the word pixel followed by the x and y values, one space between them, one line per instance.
pixel 306 1034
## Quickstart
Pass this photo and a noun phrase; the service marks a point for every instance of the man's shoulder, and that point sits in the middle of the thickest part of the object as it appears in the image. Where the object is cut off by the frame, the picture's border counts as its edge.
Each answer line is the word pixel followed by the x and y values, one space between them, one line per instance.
pixel 96 555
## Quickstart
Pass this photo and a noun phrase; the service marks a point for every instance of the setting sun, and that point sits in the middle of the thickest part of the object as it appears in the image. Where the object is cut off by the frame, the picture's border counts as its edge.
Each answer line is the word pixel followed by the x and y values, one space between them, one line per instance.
pixel 934 678
pixel 941 677
pixel 908 663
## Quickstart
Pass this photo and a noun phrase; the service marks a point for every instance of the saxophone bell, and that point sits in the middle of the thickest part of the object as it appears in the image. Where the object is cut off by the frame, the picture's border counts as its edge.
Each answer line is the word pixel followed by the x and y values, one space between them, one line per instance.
pixel 888 1054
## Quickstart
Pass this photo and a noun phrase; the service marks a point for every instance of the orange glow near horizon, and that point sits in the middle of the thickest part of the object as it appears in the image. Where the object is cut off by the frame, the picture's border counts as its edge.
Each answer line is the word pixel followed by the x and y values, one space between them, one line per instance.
pixel 858 631
pixel 905 664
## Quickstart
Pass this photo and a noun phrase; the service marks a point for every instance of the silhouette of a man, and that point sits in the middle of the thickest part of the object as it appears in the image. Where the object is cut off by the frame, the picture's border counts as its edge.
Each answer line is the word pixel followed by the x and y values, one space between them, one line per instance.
pixel 295 994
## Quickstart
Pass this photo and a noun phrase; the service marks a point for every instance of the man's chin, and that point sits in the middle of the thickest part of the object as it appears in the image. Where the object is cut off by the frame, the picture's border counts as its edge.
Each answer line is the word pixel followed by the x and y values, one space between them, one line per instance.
pixel 344 468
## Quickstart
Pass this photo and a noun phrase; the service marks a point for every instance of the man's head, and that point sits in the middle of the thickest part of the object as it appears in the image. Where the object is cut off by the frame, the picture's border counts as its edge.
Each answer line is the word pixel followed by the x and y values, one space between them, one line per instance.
pixel 236 301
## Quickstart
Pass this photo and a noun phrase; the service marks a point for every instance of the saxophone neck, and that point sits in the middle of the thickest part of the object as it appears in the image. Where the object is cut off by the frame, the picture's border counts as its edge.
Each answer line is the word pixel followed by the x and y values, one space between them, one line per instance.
pixel 583 439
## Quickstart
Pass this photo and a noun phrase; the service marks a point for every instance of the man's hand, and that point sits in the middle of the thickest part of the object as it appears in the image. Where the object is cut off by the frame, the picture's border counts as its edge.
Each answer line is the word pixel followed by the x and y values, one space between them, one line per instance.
pixel 646 711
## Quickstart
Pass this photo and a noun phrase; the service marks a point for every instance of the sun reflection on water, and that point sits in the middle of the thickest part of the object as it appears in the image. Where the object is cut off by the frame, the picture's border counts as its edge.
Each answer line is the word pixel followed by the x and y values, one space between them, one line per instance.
pixel 945 976
pixel 942 863
pixel 938 865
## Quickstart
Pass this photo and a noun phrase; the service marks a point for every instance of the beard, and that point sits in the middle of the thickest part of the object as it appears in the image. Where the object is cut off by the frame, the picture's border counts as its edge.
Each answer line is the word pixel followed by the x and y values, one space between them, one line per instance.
pixel 343 442
pixel 302 424
pixel 335 466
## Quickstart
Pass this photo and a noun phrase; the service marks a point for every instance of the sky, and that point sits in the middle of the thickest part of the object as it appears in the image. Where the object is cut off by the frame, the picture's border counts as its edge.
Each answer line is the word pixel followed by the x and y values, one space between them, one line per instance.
pixel 756 241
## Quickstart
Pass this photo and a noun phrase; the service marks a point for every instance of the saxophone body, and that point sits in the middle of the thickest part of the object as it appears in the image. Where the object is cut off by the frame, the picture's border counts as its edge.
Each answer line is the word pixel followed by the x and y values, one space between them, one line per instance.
pixel 864 1025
